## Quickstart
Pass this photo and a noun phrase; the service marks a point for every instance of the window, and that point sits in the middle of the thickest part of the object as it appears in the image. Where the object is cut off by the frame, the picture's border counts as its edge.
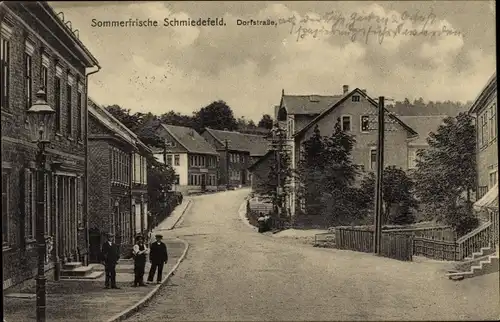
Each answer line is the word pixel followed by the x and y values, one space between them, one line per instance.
pixel 145 171
pixel 373 159
pixel 346 123
pixel 58 97
pixel 28 89
pixel 177 179
pixel 29 204
pixel 493 122
pixel 69 106
pixel 355 98
pixel 6 32
pixel 177 160
pixel 365 123
pixel 79 113
pixel 412 158
pixel 493 178
pixel 5 207
pixel 44 73
pixel 484 128
pixel 169 159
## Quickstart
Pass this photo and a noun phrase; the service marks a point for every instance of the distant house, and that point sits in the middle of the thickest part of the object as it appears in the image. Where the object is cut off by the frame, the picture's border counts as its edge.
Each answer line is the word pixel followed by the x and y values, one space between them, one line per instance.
pixel 424 125
pixel 260 171
pixel 118 196
pixel 242 150
pixel 356 111
pixel 484 109
pixel 194 160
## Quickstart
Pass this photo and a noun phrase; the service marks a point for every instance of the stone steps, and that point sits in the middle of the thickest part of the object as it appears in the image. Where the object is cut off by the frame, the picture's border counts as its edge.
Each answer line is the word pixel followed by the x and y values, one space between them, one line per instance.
pixel 489 265
pixel 76 271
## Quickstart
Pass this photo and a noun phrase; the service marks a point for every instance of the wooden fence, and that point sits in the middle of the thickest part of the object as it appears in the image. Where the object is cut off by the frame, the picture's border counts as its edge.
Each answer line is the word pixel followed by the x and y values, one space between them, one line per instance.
pixel 396 246
pixel 438 233
pixel 435 249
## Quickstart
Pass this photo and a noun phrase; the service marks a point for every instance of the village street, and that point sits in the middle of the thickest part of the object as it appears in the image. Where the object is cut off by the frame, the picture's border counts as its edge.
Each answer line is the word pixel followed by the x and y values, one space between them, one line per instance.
pixel 232 273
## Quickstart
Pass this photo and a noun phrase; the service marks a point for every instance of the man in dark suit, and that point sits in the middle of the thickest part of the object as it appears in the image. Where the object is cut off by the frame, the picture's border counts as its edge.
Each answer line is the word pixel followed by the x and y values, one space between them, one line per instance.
pixel 158 257
pixel 110 256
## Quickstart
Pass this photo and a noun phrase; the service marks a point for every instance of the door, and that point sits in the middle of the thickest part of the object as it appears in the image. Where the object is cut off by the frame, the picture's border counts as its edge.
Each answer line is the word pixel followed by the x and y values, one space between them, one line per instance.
pixel 94 245
pixel 203 182
pixel 243 177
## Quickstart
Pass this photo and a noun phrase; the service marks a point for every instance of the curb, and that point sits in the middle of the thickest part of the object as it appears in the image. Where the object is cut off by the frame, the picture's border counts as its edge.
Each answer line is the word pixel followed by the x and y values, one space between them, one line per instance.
pixel 242 214
pixel 190 201
pixel 139 305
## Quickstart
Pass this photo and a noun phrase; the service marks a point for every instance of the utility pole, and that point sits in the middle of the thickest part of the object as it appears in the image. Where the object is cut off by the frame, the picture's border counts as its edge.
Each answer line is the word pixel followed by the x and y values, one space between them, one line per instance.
pixel 380 177
pixel 226 148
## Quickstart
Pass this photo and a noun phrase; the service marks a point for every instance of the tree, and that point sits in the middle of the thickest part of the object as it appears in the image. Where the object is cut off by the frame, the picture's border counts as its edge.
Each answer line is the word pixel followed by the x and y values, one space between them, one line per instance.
pixel 217 115
pixel 310 172
pixel 131 121
pixel 160 179
pixel 280 167
pixel 266 122
pixel 176 118
pixel 446 172
pixel 398 195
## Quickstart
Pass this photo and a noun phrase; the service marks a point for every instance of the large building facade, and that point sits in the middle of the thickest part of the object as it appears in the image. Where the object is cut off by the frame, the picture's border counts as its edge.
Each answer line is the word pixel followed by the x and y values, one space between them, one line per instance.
pixel 118 181
pixel 35 54
pixel 356 111
pixel 484 109
pixel 194 160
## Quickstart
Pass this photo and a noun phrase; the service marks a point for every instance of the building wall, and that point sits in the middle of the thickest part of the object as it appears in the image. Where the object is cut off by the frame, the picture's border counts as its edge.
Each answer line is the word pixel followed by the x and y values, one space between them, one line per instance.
pixel 181 169
pixel 260 173
pixel 396 146
pixel 18 152
pixel 487 148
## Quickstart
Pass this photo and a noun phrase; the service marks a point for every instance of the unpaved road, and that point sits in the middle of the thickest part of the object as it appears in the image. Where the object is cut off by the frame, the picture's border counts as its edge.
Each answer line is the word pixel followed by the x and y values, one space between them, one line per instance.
pixel 232 273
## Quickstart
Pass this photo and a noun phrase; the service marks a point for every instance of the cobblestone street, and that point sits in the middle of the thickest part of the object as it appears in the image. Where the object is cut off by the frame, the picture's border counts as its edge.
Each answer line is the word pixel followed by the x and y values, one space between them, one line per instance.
pixel 232 273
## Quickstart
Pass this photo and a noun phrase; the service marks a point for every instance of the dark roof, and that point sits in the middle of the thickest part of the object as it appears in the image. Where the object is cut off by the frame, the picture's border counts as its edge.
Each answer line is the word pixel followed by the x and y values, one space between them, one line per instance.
pixel 308 104
pixel 437 110
pixel 423 125
pixel 332 107
pixel 113 124
pixel 257 145
pixel 190 139
pixel 490 86
pixel 260 160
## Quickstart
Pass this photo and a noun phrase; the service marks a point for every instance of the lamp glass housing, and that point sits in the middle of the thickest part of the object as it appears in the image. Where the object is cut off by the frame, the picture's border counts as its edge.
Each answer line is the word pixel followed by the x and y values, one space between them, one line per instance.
pixel 41 118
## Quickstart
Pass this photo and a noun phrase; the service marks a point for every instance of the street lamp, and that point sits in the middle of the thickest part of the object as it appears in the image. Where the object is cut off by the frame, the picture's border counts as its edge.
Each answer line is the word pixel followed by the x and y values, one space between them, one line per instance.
pixel 41 123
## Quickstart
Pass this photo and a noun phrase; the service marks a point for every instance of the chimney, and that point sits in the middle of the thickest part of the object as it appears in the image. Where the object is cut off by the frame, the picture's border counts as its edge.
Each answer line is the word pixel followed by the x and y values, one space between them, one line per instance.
pixel 345 89
pixel 364 90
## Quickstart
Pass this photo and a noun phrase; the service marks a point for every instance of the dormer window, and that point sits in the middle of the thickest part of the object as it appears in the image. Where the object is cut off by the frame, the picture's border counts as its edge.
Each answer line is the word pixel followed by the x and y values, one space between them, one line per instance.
pixel 355 98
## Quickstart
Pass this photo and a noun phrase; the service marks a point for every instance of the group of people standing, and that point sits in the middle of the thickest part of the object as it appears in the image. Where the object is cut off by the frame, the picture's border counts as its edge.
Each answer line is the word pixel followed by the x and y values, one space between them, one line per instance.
pixel 158 256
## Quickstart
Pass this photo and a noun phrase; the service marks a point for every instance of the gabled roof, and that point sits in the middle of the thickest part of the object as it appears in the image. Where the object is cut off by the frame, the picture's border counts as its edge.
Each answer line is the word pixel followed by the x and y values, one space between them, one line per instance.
pixel 257 145
pixel 308 104
pixel 424 125
pixel 490 86
pixel 260 160
pixel 113 124
pixel 189 139
pixel 343 99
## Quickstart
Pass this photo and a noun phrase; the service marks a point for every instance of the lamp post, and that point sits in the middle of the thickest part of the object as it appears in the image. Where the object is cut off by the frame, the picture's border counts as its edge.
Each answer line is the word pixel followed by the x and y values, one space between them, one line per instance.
pixel 41 124
pixel 132 212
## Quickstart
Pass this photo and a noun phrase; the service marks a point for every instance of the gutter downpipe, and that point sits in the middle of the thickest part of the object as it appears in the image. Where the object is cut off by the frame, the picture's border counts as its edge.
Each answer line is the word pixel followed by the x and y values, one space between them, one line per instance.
pixel 86 174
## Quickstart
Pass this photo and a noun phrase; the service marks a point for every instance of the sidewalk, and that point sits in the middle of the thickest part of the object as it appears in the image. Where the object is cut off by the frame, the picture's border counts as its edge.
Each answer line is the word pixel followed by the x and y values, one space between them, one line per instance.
pixel 87 300
pixel 176 215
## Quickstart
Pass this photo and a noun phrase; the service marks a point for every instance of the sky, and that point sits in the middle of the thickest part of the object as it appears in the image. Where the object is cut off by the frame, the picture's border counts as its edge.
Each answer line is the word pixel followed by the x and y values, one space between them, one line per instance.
pixel 184 68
